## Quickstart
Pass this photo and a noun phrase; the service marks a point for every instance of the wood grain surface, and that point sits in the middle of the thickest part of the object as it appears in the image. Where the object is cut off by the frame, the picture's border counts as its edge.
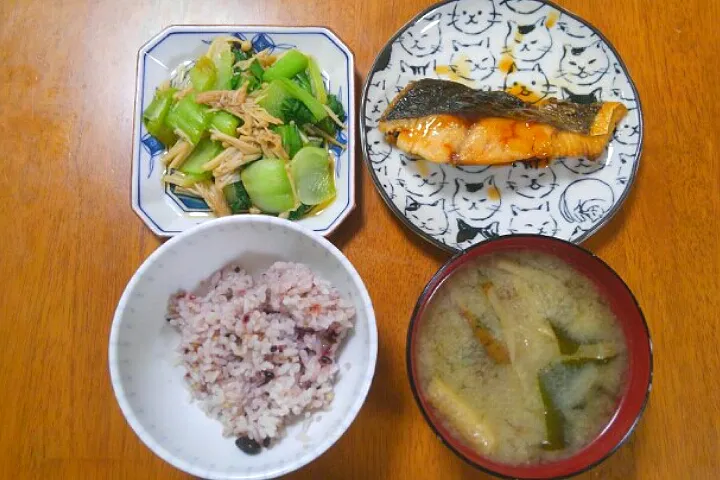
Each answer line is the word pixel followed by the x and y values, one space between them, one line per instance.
pixel 70 240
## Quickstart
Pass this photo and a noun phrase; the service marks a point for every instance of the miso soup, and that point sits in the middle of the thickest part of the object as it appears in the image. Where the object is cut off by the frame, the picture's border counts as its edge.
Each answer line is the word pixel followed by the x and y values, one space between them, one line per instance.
pixel 521 358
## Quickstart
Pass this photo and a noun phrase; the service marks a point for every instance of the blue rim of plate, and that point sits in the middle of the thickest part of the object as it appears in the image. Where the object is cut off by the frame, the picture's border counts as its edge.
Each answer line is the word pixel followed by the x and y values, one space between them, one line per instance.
pixel 382 60
pixel 172 29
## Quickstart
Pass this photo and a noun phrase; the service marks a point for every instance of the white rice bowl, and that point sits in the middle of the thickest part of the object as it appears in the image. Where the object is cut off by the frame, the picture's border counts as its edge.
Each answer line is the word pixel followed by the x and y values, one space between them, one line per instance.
pixel 188 420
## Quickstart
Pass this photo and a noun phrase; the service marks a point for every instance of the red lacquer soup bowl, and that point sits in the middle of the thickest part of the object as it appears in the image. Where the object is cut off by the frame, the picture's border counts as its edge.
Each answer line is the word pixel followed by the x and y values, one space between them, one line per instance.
pixel 633 397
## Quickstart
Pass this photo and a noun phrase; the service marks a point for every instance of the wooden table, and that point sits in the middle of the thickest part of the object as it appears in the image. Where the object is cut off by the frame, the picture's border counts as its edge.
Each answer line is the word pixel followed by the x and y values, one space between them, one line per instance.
pixel 70 241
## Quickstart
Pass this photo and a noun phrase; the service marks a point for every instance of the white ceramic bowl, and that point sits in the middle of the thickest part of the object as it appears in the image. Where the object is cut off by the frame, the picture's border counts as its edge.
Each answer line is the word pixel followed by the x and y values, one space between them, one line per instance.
pixel 167 213
pixel 149 384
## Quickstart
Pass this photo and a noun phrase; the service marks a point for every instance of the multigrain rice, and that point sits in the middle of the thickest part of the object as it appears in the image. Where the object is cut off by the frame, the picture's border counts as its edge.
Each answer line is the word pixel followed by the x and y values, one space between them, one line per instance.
pixel 261 352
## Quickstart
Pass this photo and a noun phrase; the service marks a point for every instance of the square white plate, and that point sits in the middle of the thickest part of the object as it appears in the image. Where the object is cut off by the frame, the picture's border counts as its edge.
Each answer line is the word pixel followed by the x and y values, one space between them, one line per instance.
pixel 168 214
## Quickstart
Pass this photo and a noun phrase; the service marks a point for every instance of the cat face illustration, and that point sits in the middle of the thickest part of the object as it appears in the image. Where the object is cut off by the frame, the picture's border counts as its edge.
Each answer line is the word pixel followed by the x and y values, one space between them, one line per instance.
pixel 624 169
pixel 528 43
pixel 421 178
pixel 424 38
pixel 535 220
pixel 523 7
pixel 584 65
pixel 378 149
pixel 622 90
pixel 574 30
pixel 466 232
pixel 473 17
pixel 472 61
pixel 584 165
pixel 625 96
pixel 628 132
pixel 377 102
pixel 428 216
pixel 400 83
pixel 477 200
pixel 422 69
pixel 530 85
pixel 593 96
pixel 531 182
pixel 473 168
pixel 586 202
pixel 381 174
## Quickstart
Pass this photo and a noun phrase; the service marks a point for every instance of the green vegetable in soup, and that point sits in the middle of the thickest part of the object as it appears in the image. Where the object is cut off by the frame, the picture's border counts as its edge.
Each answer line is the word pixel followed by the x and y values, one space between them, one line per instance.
pixel 566 344
pixel 554 418
pixel 574 375
pixel 268 185
pixel 597 353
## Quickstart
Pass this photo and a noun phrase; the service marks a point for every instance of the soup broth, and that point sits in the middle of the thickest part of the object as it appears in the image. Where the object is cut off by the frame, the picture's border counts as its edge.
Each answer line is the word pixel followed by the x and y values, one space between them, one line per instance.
pixel 521 358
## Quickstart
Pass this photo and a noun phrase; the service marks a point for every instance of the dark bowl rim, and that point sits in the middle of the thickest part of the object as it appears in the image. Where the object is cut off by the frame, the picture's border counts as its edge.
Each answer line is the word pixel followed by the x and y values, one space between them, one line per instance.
pixel 381 61
pixel 436 281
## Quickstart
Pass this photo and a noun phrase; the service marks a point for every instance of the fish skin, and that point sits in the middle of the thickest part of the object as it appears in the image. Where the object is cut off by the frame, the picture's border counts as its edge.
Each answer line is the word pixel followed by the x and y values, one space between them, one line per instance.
pixel 443 97
pixel 482 137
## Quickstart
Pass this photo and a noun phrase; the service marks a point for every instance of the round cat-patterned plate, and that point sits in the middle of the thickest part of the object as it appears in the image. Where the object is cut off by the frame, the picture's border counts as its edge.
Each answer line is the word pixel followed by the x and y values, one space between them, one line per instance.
pixel 535 50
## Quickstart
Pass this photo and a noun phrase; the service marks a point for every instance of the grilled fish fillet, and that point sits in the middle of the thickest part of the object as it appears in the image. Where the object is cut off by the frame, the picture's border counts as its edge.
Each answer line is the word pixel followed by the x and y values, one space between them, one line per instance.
pixel 446 122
